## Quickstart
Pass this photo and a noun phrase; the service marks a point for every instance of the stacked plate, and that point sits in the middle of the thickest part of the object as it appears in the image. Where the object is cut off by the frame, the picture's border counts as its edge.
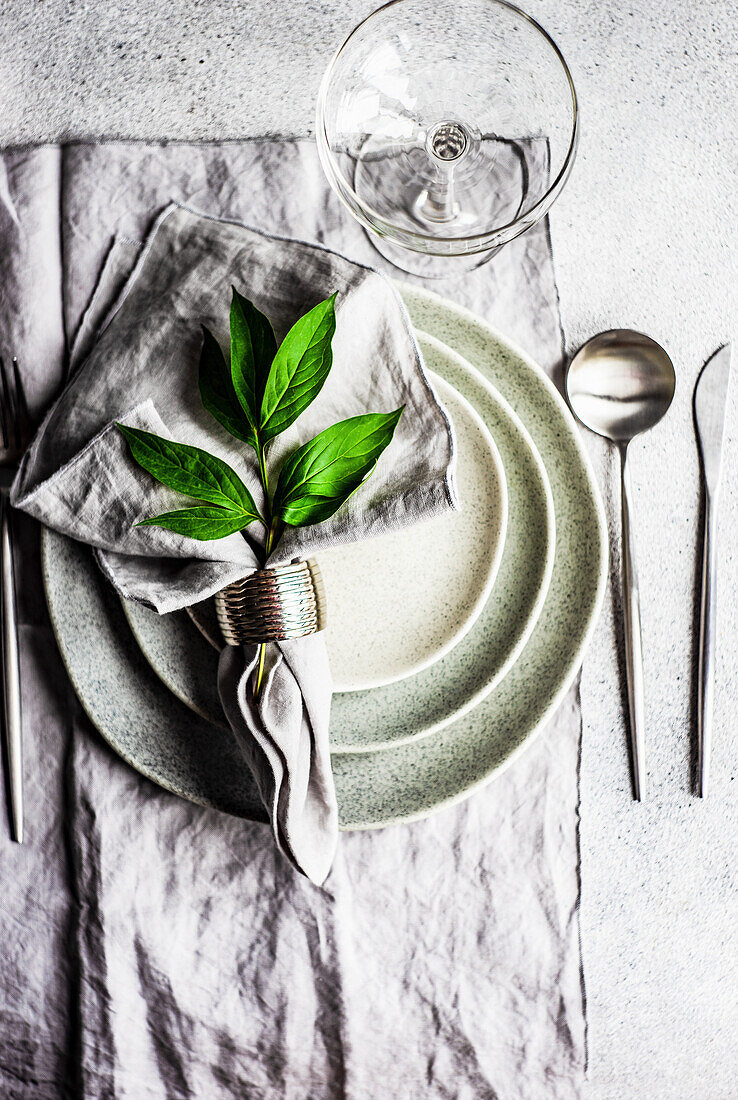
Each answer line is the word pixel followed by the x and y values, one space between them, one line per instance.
pixel 446 664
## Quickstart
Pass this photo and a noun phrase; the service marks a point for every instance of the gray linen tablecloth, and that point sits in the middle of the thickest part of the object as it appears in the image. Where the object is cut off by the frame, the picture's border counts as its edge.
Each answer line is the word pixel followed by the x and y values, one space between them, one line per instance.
pixel 153 948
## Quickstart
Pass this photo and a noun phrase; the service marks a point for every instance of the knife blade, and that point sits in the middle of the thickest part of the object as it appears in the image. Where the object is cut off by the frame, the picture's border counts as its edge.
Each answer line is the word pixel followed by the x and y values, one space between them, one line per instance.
pixel 710 396
pixel 710 400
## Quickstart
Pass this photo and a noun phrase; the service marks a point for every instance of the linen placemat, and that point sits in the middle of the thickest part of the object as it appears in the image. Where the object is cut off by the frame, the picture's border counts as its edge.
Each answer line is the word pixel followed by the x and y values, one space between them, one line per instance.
pixel 153 948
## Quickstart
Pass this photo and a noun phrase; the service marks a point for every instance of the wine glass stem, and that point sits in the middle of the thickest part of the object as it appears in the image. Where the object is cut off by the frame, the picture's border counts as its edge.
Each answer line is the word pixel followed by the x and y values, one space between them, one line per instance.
pixel 439 204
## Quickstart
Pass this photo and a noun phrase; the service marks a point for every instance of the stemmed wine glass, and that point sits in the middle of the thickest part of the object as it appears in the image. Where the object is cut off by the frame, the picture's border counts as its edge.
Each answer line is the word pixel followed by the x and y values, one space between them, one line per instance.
pixel 448 128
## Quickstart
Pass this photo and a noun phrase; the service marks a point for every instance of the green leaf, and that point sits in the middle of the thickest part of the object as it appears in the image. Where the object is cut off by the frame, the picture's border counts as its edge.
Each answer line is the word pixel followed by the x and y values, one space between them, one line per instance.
pixel 299 370
pixel 316 480
pixel 253 348
pixel 204 523
pixel 190 470
pixel 217 392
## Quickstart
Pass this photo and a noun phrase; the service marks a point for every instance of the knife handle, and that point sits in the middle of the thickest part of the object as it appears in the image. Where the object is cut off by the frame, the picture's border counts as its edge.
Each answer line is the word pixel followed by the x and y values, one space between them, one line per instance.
pixel 633 643
pixel 706 676
pixel 11 672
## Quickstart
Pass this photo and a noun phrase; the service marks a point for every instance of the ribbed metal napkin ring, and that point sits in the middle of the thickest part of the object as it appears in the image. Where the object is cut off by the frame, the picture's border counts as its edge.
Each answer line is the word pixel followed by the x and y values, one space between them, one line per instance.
pixel 287 601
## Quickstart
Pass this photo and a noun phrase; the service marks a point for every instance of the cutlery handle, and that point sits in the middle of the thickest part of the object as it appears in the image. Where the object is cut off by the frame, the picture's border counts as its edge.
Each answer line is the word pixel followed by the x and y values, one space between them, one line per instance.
pixel 11 675
pixel 633 644
pixel 707 650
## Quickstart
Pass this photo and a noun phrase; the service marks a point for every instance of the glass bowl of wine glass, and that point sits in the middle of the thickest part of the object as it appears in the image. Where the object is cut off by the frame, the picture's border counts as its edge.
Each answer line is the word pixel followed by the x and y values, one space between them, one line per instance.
pixel 448 128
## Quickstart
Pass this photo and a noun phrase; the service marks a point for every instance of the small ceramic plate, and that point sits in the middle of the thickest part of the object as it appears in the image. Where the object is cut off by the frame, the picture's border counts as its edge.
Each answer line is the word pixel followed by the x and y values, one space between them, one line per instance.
pixel 363 721
pixel 175 748
pixel 399 602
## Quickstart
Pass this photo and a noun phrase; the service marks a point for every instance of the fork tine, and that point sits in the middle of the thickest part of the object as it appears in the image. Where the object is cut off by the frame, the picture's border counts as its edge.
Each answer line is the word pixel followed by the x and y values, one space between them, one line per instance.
pixel 5 414
pixel 22 417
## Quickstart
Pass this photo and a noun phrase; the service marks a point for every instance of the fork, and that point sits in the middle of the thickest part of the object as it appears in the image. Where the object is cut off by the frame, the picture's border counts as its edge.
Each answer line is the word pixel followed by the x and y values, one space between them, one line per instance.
pixel 15 434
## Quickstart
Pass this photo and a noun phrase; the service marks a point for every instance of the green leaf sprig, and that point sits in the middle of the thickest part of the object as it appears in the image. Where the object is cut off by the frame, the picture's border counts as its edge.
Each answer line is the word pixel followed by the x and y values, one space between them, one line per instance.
pixel 262 394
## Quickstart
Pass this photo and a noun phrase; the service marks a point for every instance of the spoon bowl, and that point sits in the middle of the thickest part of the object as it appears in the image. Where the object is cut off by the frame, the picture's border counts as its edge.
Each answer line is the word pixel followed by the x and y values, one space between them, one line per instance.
pixel 620 383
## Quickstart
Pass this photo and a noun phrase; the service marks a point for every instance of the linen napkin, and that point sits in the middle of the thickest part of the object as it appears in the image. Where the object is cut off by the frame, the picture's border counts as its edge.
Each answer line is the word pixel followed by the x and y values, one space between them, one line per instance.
pixel 142 369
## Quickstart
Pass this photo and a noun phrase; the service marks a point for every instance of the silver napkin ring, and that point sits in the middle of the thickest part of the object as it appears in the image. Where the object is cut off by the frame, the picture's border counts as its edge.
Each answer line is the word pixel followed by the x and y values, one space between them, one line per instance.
pixel 287 601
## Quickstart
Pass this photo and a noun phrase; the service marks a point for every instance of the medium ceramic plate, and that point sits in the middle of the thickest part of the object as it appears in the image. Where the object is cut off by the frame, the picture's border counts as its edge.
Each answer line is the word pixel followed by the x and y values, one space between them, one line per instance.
pixel 370 720
pixel 167 742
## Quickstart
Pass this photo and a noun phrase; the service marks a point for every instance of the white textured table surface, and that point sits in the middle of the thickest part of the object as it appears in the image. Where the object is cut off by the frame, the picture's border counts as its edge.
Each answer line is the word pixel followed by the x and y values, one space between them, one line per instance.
pixel 644 236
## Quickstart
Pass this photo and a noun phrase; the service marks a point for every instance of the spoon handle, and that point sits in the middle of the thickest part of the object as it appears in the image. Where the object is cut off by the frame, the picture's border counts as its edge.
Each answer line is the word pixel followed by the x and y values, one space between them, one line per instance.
pixel 707 650
pixel 633 645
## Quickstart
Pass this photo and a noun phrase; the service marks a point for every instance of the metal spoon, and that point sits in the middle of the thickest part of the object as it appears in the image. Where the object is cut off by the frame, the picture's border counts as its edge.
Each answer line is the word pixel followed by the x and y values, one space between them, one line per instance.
pixel 619 384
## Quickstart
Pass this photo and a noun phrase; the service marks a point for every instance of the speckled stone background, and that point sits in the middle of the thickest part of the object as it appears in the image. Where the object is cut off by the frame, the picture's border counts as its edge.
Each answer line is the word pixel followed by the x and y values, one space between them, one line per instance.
pixel 645 236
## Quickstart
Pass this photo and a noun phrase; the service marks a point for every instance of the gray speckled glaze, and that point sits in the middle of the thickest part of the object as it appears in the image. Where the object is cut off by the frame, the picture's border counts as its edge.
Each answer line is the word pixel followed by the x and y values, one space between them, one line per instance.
pixel 167 742
pixel 126 700
pixel 180 655
pixel 364 721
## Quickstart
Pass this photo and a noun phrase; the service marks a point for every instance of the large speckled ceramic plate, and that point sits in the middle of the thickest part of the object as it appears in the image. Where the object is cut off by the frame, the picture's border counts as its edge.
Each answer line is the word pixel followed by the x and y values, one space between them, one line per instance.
pixel 166 741
pixel 371 720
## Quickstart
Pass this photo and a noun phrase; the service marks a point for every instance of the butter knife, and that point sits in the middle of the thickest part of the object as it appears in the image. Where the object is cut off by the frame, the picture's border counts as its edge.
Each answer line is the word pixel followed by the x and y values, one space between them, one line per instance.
pixel 710 396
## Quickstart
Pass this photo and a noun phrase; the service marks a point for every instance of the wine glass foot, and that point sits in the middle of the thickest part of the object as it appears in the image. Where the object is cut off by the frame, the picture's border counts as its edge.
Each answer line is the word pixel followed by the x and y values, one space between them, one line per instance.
pixel 425 266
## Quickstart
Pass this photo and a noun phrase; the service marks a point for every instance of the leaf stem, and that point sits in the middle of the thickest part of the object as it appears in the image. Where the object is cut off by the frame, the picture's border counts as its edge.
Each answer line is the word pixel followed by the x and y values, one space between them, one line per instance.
pixel 263 473
pixel 260 670
pixel 271 540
